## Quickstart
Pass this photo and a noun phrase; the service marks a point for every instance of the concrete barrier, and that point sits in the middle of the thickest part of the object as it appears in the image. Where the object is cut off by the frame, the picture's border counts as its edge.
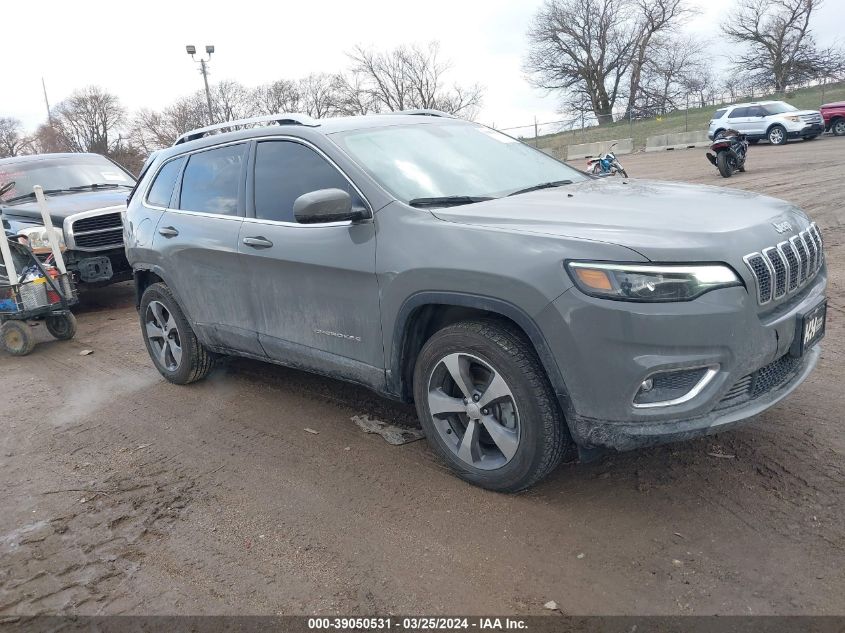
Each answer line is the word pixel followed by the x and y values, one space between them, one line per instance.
pixel 591 150
pixel 680 140
pixel 555 152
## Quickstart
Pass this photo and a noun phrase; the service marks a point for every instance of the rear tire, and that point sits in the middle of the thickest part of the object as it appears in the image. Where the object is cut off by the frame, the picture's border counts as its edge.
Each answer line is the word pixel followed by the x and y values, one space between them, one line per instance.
pixel 173 347
pixel 61 327
pixel 726 164
pixel 516 438
pixel 16 338
pixel 753 141
pixel 777 135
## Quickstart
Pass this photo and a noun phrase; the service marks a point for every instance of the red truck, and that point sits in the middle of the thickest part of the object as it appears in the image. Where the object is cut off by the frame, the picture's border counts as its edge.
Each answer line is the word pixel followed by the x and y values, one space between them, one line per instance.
pixel 834 117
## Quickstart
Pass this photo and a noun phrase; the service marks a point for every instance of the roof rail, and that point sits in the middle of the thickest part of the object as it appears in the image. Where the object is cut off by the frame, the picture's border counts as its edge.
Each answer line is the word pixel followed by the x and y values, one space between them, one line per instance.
pixel 283 118
pixel 425 112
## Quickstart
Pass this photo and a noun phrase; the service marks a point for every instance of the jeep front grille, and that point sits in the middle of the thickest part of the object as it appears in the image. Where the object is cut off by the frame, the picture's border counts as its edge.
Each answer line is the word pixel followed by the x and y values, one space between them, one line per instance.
pixel 98 232
pixel 784 268
pixel 812 118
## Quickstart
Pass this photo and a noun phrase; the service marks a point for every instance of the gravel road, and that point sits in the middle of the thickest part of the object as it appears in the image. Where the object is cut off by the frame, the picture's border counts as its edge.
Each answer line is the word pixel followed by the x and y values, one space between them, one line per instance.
pixel 122 493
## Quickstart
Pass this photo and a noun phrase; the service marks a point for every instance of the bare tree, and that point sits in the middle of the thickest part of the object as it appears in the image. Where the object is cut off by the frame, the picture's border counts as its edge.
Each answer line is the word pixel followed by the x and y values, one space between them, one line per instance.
pixel 583 48
pixel 47 140
pixel 13 141
pixel 671 72
pixel 89 121
pixel 655 18
pixel 353 97
pixel 282 95
pixel 231 101
pixel 779 47
pixel 410 77
pixel 153 130
pixel 319 94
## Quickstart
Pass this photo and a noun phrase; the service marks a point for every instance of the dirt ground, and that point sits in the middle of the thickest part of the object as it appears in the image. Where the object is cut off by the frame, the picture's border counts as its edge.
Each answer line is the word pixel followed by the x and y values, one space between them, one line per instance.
pixel 122 493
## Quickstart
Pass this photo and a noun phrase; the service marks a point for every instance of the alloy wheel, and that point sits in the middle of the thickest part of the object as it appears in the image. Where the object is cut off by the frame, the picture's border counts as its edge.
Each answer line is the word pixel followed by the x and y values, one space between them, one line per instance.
pixel 163 335
pixel 839 127
pixel 776 136
pixel 474 411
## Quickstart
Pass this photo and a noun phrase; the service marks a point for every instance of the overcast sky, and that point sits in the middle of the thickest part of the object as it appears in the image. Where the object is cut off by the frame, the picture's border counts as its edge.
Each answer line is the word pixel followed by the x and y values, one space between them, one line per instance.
pixel 137 50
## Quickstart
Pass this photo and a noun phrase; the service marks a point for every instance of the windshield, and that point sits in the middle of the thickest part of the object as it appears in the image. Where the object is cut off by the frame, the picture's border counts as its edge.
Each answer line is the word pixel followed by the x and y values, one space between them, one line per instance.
pixel 457 159
pixel 61 173
pixel 779 108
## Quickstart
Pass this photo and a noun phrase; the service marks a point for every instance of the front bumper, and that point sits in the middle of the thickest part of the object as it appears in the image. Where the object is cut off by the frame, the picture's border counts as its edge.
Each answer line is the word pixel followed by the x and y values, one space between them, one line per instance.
pixel 605 349
pixel 805 131
pixel 625 436
pixel 99 268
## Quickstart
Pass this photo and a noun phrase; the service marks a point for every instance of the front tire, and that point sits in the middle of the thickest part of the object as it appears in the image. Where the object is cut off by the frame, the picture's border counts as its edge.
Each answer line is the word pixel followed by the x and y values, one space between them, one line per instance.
pixel 726 164
pixel 61 327
pixel 487 407
pixel 174 348
pixel 16 338
pixel 777 135
pixel 838 127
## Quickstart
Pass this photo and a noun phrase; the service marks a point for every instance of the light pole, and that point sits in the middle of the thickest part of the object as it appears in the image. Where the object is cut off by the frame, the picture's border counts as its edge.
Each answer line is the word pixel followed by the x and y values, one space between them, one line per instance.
pixel 192 50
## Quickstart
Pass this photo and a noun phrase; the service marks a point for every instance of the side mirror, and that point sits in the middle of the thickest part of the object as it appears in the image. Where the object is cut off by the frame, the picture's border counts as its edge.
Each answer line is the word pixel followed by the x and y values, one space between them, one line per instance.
pixel 325 205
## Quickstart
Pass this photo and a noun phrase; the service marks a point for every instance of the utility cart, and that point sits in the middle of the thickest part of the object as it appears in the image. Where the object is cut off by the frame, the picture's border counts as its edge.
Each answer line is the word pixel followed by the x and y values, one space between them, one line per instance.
pixel 32 290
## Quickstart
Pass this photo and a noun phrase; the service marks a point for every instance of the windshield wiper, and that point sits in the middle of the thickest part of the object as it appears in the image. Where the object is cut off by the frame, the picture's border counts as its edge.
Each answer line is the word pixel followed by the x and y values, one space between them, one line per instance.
pixel 542 185
pixel 98 185
pixel 31 194
pixel 447 201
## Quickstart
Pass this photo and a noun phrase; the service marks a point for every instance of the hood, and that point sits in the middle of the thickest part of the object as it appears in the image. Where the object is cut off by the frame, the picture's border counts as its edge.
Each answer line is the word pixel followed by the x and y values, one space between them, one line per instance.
pixel 663 221
pixel 63 205
pixel 836 104
pixel 798 113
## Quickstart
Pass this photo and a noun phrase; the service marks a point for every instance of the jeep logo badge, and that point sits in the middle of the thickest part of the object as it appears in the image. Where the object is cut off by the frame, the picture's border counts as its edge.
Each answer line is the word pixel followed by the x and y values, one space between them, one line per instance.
pixel 782 227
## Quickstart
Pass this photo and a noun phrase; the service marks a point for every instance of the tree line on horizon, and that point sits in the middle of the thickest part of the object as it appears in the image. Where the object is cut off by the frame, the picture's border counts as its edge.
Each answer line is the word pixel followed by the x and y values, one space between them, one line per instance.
pixel 600 57
pixel 632 59
pixel 94 120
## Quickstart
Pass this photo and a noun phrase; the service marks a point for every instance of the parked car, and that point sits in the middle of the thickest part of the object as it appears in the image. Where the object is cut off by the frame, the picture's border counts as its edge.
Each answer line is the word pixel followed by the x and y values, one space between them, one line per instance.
pixel 86 195
pixel 519 303
pixel 834 117
pixel 774 121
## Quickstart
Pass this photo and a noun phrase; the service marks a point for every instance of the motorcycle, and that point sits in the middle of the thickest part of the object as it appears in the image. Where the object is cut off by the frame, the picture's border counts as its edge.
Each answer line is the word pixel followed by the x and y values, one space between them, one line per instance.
pixel 730 149
pixel 606 165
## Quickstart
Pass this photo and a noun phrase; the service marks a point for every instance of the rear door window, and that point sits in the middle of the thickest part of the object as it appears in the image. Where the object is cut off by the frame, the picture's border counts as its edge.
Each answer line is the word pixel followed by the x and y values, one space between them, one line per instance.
pixel 212 180
pixel 162 187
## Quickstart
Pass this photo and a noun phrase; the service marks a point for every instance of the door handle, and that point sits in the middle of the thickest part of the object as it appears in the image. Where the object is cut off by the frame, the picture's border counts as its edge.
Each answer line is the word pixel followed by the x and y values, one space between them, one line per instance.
pixel 258 242
pixel 168 231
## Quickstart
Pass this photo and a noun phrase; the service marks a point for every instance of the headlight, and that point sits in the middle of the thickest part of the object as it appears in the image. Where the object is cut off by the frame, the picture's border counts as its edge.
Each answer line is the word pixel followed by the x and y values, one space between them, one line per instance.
pixel 38 239
pixel 794 119
pixel 650 282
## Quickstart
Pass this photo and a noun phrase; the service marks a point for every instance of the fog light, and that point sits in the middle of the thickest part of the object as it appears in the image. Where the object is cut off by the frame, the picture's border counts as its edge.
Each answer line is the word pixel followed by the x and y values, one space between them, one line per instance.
pixel 671 387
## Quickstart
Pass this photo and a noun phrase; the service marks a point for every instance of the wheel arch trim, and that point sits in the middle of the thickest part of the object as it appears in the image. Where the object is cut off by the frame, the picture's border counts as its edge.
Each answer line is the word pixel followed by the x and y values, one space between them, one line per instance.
pixel 480 302
pixel 161 274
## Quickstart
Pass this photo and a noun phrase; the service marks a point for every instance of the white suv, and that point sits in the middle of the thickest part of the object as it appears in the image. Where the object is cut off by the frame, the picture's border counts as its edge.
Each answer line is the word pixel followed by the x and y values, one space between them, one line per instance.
pixel 776 121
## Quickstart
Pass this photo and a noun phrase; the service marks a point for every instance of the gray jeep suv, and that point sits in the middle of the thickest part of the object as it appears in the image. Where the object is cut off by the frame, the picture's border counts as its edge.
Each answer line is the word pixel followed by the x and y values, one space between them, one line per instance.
pixel 520 304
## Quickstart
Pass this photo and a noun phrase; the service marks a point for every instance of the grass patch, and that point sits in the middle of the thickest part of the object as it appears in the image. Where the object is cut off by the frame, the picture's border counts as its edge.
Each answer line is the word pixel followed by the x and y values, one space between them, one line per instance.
pixel 683 120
